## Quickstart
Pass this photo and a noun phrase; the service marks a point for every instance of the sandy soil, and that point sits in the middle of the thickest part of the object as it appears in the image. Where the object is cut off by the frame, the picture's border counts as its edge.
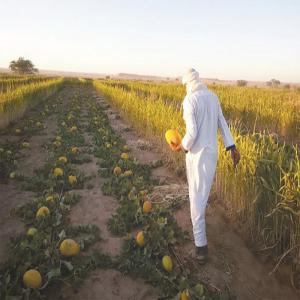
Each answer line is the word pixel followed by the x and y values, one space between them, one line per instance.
pixel 96 208
pixel 11 195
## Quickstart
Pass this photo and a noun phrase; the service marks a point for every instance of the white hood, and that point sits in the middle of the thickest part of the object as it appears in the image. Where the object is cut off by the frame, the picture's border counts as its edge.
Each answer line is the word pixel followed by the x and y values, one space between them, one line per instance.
pixel 192 81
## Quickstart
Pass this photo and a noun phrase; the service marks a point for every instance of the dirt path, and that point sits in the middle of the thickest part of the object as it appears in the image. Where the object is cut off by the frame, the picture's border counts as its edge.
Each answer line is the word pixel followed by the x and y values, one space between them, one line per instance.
pixel 11 194
pixel 96 208
pixel 231 264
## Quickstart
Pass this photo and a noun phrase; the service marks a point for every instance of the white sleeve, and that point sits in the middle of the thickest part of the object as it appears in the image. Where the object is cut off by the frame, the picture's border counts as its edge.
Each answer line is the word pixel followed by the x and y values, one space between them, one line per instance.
pixel 190 124
pixel 226 134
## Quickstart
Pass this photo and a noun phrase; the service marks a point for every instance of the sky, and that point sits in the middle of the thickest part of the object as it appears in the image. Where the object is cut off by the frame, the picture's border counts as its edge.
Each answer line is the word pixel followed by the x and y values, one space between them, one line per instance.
pixel 224 39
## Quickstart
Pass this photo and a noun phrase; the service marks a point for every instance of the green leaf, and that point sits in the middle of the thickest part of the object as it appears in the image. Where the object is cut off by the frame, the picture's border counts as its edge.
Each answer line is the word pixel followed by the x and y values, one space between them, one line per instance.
pixel 53 273
pixel 68 264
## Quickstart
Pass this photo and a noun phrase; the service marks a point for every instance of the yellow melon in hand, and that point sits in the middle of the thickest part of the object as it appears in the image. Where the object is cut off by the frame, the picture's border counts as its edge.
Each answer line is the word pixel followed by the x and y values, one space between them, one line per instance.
pixel 32 279
pixel 69 247
pixel 167 263
pixel 173 137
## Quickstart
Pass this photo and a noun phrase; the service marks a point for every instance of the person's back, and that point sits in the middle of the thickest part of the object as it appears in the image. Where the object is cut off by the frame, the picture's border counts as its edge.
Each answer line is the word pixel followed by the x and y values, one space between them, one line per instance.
pixel 203 115
pixel 206 111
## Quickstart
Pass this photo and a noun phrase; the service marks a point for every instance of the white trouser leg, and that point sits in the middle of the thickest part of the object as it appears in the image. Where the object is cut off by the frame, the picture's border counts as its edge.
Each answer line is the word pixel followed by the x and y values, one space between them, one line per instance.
pixel 200 173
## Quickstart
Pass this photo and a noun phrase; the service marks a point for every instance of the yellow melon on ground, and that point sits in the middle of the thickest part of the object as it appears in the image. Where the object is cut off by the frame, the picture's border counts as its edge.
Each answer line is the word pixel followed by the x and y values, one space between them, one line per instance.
pixel 63 159
pixel 167 263
pixel 57 143
pixel 140 239
pixel 32 231
pixel 69 247
pixel 43 212
pixel 72 179
pixel 58 172
pixel 74 150
pixel 199 289
pixel 25 145
pixel 185 295
pixel 32 279
pixel 50 198
pixel 147 207
pixel 128 173
pixel 125 156
pixel 117 171
pixel 173 137
pixel 12 175
pixel 73 129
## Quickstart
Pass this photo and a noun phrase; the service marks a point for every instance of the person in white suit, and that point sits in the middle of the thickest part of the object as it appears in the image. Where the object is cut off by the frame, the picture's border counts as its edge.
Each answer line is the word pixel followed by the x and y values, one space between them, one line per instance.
pixel 203 116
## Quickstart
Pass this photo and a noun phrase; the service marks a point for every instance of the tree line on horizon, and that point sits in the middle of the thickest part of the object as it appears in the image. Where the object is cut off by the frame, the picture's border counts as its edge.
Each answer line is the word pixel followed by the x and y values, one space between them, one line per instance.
pixel 23 66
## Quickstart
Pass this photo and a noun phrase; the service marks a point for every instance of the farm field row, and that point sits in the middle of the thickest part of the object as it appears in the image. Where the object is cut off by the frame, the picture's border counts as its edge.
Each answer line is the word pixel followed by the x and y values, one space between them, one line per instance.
pixel 262 194
pixel 14 102
pixel 253 109
pixel 9 83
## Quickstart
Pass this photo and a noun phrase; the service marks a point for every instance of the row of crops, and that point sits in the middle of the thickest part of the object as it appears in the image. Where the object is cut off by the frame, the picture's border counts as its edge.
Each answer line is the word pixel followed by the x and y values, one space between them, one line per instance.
pixel 9 83
pixel 48 252
pixel 257 109
pixel 20 93
pixel 263 193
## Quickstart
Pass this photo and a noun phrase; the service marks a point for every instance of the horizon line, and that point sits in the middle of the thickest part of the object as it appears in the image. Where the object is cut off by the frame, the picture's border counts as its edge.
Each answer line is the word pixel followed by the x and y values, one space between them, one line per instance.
pixel 151 75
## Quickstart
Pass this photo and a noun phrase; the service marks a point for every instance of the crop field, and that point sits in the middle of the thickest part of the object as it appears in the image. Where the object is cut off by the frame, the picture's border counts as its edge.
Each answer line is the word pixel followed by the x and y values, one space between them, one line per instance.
pixel 95 203
pixel 17 94
pixel 264 192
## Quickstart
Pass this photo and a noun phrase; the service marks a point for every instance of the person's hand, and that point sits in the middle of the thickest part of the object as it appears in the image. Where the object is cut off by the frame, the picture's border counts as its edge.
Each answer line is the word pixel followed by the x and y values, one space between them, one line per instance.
pixel 175 147
pixel 235 155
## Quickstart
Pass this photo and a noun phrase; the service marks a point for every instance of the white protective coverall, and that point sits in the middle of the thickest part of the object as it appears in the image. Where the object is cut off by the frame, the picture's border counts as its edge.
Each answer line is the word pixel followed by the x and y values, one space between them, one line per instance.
pixel 203 116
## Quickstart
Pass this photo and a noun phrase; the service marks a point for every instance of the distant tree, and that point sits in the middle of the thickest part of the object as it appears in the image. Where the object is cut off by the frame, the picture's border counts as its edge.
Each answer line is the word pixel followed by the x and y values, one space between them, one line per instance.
pixel 287 86
pixel 22 66
pixel 273 83
pixel 107 77
pixel 241 82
